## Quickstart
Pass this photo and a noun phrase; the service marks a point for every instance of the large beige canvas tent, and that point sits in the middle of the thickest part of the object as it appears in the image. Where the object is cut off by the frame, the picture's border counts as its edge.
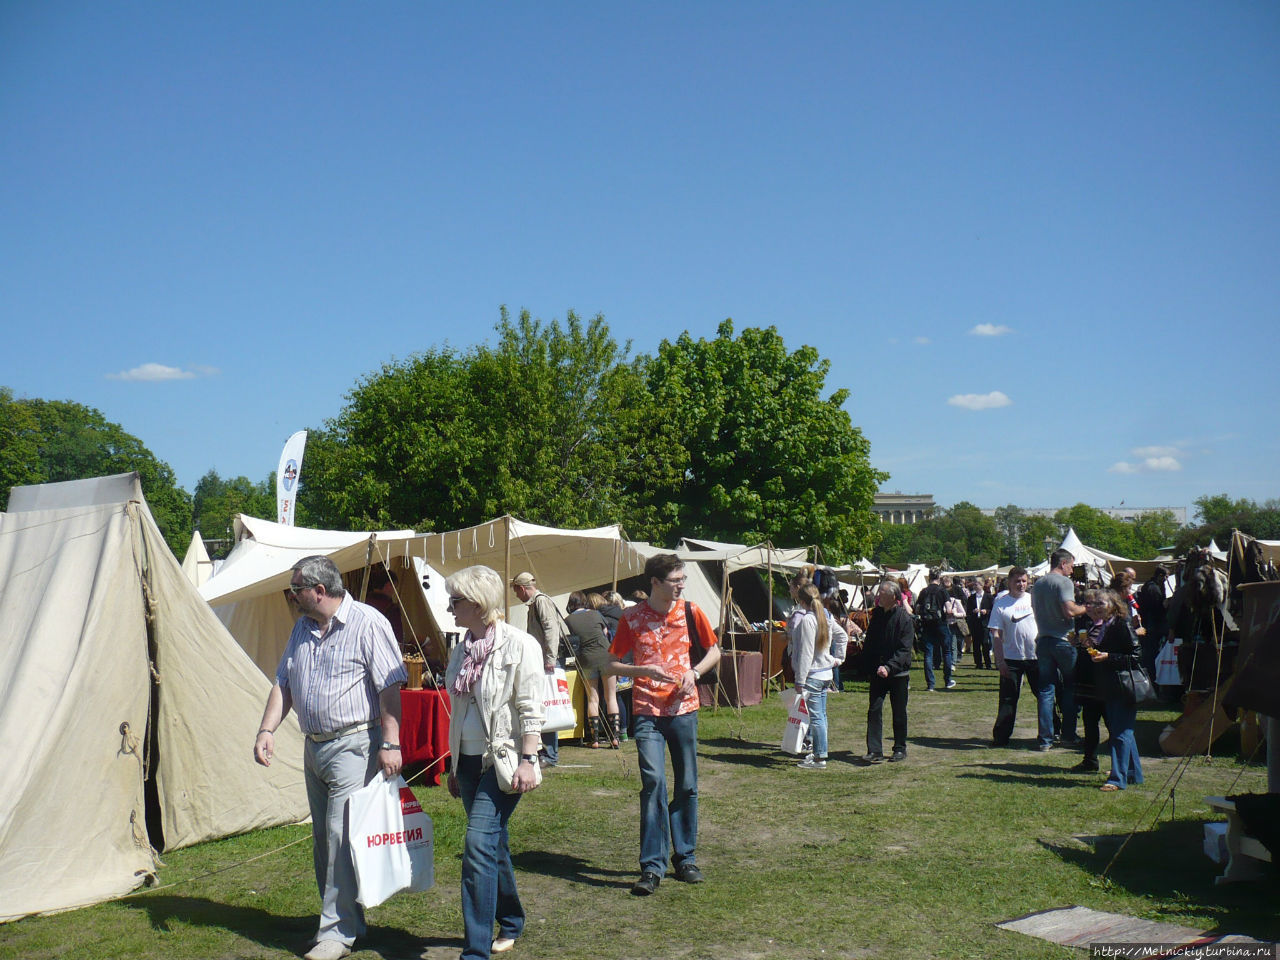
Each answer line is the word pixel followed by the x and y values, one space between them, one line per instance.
pixel 247 593
pixel 128 712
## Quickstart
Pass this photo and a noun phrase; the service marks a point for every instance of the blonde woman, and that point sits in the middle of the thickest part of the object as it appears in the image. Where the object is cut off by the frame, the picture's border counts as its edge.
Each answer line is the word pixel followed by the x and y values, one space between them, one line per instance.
pixel 496 682
pixel 819 644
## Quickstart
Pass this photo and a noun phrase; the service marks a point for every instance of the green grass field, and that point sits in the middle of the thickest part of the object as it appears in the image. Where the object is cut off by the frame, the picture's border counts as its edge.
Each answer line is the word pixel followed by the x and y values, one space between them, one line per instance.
pixel 912 860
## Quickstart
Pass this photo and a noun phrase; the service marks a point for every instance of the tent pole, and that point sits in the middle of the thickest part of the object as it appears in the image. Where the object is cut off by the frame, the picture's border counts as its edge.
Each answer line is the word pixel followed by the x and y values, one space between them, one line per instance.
pixel 617 549
pixel 506 564
pixel 368 560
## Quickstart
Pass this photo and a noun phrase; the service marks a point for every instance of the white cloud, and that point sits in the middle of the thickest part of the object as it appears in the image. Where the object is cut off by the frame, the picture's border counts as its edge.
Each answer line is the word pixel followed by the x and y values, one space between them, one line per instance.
pixel 990 330
pixel 1148 465
pixel 1154 451
pixel 153 372
pixel 980 401
pixel 923 341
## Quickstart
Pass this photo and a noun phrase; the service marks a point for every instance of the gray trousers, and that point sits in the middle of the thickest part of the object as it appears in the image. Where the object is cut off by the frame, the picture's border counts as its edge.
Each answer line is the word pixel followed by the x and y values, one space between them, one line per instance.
pixel 334 771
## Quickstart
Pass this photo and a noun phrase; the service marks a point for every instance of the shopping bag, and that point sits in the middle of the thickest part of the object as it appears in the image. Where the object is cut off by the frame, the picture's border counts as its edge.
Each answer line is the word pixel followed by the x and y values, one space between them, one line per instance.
pixel 1167 672
pixel 391 840
pixel 797 722
pixel 559 712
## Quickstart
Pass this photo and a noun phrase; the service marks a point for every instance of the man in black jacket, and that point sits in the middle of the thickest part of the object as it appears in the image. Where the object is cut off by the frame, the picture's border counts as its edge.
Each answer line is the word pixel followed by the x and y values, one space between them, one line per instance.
pixel 931 608
pixel 890 637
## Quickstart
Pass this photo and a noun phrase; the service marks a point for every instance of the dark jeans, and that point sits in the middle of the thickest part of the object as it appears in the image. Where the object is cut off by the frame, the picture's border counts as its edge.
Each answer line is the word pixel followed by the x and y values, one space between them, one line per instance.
pixel 1010 689
pixel 936 635
pixel 667 828
pixel 897 689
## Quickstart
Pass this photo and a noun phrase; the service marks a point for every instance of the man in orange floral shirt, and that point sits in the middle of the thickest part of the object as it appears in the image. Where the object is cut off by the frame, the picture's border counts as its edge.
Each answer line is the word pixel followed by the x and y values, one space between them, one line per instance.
pixel 659 633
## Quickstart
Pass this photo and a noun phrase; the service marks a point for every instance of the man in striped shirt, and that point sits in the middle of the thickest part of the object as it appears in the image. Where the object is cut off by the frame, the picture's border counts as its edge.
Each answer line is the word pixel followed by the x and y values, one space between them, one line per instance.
pixel 342 673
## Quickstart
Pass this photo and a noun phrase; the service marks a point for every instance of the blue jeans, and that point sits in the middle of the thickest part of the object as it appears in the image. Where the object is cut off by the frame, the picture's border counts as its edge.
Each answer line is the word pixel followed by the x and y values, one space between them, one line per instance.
pixel 333 771
pixel 936 634
pixel 488 881
pixel 551 746
pixel 1126 765
pixel 815 701
pixel 1057 660
pixel 667 829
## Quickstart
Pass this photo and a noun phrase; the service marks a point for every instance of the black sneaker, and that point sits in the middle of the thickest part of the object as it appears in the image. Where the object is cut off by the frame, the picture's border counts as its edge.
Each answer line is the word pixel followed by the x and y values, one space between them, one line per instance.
pixel 1085 766
pixel 689 873
pixel 647 883
pixel 898 756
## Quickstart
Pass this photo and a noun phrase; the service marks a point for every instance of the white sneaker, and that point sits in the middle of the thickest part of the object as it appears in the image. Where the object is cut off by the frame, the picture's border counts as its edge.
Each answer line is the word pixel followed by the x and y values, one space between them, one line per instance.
pixel 809 763
pixel 328 950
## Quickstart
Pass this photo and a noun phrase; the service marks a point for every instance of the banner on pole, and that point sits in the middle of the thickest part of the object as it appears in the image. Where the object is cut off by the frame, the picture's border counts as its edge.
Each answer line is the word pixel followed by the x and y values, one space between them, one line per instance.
pixel 287 477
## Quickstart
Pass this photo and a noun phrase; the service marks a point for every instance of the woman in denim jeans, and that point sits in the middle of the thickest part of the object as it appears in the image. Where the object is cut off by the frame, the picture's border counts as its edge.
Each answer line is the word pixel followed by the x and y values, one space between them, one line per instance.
pixel 818 646
pixel 1114 648
pixel 495 681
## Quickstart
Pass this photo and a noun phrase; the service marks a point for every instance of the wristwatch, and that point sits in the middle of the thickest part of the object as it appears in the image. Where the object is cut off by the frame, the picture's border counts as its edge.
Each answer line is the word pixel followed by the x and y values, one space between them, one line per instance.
pixel 389 746
pixel 531 757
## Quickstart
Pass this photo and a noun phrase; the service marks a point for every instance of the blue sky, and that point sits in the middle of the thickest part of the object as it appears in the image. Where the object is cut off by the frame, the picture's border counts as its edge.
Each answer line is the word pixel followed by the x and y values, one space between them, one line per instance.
pixel 1038 242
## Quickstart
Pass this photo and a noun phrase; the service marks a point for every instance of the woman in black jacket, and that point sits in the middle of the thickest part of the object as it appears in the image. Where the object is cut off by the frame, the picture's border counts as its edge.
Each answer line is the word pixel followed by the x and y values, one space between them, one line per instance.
pixel 1114 649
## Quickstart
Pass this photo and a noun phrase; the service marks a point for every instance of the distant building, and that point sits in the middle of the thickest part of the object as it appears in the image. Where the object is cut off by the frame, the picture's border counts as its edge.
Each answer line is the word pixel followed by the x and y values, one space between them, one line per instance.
pixel 903 507
pixel 1120 513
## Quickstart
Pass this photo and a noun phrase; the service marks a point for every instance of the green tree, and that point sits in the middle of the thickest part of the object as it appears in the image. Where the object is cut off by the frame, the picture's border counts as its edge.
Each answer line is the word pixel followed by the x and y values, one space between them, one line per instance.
pixel 75 442
pixel 761 453
pixel 1219 514
pixel 216 502
pixel 19 446
pixel 1098 529
pixel 961 538
pixel 548 425
pixel 1154 532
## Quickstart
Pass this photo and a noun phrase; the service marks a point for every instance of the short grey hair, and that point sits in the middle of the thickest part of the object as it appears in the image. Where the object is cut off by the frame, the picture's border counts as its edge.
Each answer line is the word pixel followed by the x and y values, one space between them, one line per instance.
pixel 892 587
pixel 320 571
pixel 483 587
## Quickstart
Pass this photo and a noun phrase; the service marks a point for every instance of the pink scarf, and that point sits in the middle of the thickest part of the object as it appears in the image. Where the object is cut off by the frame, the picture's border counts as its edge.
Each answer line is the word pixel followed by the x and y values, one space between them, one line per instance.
pixel 478 650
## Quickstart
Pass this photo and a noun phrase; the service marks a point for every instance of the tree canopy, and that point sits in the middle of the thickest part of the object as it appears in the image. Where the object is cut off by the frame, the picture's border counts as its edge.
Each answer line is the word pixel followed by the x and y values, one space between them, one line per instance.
pixel 1219 514
pixel 962 538
pixel 729 439
pixel 49 441
pixel 217 501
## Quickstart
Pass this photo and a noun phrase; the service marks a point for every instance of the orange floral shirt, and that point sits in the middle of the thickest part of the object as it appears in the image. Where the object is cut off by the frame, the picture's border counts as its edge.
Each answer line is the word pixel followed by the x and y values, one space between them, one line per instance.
pixel 663 640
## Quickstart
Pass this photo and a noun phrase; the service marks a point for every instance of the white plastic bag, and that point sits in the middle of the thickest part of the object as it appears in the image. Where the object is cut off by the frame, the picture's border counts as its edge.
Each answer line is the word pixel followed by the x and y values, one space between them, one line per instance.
pixel 559 715
pixel 391 840
pixel 1167 672
pixel 797 722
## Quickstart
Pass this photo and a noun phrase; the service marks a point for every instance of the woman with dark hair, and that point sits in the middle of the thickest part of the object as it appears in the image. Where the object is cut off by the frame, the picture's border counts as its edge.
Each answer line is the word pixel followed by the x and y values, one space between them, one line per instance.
pixel 1114 648
pixel 589 626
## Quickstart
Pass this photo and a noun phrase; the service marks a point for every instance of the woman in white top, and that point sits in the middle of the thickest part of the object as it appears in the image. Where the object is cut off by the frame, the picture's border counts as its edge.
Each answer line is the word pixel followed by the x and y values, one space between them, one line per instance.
pixel 496 683
pixel 818 645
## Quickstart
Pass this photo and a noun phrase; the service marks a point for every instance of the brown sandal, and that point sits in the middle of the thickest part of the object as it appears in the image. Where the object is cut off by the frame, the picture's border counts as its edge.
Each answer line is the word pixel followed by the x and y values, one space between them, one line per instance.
pixel 1110 788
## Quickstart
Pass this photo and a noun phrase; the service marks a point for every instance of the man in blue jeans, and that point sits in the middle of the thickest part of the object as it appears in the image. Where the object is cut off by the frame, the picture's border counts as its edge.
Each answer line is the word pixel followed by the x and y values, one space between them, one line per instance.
pixel 931 608
pixel 1053 601
pixel 672 644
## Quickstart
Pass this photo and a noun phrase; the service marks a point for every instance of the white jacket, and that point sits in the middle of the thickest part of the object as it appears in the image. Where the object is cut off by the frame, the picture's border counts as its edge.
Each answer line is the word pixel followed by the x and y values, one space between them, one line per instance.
pixel 805 659
pixel 510 692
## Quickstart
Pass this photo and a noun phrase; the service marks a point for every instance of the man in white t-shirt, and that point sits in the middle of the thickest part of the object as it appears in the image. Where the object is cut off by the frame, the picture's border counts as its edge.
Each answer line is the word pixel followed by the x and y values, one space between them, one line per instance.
pixel 1013 641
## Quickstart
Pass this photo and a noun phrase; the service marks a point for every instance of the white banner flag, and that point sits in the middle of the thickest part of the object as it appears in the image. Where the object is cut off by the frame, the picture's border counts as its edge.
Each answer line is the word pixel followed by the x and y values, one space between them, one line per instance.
pixel 287 477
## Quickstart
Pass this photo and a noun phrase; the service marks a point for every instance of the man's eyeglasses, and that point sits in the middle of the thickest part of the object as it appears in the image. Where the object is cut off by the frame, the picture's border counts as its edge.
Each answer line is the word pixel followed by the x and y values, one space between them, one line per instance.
pixel 297 588
pixel 677 582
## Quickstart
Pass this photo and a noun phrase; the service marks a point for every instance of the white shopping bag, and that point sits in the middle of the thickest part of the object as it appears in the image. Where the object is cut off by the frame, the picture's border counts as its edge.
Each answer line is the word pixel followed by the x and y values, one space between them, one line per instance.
pixel 1167 672
pixel 559 715
pixel 797 722
pixel 391 840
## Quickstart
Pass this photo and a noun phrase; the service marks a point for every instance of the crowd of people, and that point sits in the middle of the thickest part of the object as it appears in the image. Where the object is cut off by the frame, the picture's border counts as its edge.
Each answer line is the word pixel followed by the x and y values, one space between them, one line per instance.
pixel 342 671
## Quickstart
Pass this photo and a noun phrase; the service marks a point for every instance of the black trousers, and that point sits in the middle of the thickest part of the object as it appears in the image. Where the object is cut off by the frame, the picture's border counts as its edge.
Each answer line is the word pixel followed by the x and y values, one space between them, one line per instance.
pixel 981 641
pixel 896 688
pixel 1091 712
pixel 1010 688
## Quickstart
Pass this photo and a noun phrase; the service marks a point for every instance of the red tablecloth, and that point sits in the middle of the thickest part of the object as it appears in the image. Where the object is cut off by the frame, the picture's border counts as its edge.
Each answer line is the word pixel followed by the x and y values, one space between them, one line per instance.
pixel 424 730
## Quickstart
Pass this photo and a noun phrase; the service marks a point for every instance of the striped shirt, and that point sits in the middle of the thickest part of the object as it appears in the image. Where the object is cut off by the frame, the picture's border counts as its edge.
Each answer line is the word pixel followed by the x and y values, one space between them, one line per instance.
pixel 335 679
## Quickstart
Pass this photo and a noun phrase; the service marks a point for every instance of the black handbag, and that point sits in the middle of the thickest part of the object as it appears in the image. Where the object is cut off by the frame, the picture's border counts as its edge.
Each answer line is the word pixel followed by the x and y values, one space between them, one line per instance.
pixel 1135 685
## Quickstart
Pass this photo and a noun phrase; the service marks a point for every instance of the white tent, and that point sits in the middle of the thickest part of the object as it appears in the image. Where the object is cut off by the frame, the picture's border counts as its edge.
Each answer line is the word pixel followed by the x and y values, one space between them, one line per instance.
pixel 196 565
pixel 122 691
pixel 247 593
pixel 1096 563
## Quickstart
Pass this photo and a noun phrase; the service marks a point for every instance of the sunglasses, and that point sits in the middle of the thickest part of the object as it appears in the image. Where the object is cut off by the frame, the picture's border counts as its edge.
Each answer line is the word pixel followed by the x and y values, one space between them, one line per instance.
pixel 454 601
